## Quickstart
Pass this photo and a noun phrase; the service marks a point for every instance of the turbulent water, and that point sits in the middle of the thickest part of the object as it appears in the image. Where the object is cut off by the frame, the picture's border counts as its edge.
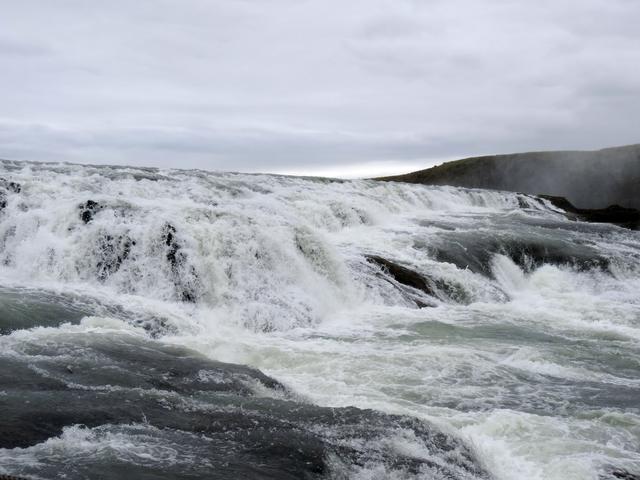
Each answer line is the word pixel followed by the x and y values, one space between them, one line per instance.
pixel 172 324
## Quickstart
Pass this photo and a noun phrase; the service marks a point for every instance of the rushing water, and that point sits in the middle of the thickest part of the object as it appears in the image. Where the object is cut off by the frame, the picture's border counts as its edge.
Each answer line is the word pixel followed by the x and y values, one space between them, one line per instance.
pixel 172 324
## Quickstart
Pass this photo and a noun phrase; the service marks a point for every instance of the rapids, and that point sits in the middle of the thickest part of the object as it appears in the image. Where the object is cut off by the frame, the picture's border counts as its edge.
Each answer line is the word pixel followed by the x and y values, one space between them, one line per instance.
pixel 187 324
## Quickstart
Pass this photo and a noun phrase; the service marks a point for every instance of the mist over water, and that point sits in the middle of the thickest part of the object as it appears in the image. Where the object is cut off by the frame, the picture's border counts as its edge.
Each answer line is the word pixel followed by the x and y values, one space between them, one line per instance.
pixel 125 288
pixel 588 179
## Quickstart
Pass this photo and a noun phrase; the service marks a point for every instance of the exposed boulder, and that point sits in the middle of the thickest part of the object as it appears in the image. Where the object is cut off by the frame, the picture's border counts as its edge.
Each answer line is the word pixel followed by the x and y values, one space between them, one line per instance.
pixel 112 251
pixel 403 275
pixel 522 202
pixel 10 186
pixel 184 275
pixel 88 210
pixel 7 187
pixel 436 288
pixel 622 475
pixel 615 214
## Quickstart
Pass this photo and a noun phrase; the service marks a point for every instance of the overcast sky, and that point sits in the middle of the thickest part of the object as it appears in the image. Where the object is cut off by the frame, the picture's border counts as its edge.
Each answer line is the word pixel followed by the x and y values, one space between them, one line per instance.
pixel 334 87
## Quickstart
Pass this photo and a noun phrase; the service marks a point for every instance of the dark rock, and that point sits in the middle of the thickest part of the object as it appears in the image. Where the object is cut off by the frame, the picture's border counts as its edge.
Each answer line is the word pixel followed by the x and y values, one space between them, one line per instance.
pixel 156 327
pixel 10 186
pixel 522 202
pixel 615 214
pixel 23 309
pixel 7 187
pixel 88 210
pixel 560 202
pixel 402 274
pixel 433 287
pixel 169 235
pixel 112 252
pixel 622 475
pixel 184 275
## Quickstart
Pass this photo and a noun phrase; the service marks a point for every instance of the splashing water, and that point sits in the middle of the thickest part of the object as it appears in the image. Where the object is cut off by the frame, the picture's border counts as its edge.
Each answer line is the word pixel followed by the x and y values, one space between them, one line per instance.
pixel 496 322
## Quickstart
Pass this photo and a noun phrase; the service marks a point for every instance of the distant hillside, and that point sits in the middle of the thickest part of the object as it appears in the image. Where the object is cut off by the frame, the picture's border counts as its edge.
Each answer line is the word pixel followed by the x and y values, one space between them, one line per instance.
pixel 588 179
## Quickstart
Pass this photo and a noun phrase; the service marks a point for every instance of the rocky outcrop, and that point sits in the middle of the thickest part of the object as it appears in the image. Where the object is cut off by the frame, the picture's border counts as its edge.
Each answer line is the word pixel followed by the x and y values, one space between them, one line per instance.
pixel 112 251
pixel 7 187
pixel 184 275
pixel 10 186
pixel 436 288
pixel 403 275
pixel 615 214
pixel 622 475
pixel 88 210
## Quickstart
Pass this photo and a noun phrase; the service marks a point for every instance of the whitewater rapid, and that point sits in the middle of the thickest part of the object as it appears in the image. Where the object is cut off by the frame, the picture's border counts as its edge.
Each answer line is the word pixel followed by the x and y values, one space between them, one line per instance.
pixel 527 349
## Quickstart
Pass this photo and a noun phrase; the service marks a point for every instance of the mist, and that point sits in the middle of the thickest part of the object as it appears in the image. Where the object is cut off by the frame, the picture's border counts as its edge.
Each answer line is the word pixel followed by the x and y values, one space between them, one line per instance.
pixel 588 179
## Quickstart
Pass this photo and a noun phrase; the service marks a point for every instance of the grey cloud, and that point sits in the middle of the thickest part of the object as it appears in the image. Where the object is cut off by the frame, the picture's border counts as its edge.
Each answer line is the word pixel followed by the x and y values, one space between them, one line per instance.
pixel 284 85
pixel 11 47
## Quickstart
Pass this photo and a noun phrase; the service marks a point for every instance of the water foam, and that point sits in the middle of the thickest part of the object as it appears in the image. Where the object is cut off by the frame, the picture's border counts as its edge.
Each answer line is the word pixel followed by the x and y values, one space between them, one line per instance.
pixel 277 270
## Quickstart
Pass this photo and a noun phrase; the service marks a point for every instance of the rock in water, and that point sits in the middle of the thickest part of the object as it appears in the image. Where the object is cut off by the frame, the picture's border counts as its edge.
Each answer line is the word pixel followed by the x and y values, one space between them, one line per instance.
pixel 7 187
pixel 184 275
pixel 433 287
pixel 403 275
pixel 615 214
pixel 112 251
pixel 88 210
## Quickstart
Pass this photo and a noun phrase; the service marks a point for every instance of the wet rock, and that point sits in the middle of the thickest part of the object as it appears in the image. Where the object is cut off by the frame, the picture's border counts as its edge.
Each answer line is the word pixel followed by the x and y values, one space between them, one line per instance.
pixel 184 275
pixel 522 203
pixel 88 210
pixel 156 327
pixel 437 288
pixel 112 251
pixel 169 237
pixel 620 474
pixel 7 187
pixel 560 202
pixel 10 186
pixel 615 214
pixel 403 275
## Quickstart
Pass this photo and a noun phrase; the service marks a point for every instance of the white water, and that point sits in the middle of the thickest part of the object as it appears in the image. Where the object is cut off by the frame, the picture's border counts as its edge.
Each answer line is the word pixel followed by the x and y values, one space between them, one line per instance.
pixel 282 284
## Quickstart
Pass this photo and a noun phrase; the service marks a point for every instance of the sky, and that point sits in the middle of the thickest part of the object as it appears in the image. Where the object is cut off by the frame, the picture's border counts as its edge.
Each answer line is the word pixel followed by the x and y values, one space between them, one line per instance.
pixel 317 87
